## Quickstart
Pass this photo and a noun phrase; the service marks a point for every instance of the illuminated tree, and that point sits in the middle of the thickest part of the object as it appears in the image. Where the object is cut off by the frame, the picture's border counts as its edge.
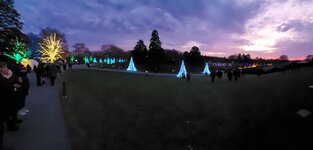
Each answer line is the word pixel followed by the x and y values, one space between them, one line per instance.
pixel 72 59
pixel 206 70
pixel 131 66
pixel 182 72
pixel 86 60
pixel 51 49
pixel 20 52
pixel 95 60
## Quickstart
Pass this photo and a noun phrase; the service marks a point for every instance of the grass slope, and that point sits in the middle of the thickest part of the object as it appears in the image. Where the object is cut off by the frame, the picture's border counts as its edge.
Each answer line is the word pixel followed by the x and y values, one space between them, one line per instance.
pixel 115 111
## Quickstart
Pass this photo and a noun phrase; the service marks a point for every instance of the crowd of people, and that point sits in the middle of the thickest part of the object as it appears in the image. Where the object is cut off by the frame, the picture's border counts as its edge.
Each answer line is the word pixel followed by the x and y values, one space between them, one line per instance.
pixel 14 87
pixel 231 74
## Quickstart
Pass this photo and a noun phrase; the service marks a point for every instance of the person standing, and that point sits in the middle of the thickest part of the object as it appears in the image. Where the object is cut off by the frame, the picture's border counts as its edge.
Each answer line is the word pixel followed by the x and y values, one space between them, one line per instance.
pixel 219 74
pixel 213 75
pixel 70 65
pixel 29 69
pixel 23 91
pixel 53 72
pixel 39 73
pixel 8 87
pixel 64 66
pixel 188 77
pixel 236 76
pixel 230 75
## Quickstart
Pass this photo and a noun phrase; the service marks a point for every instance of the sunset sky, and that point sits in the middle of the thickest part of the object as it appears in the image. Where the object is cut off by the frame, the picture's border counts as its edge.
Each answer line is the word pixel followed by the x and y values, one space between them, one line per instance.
pixel 263 28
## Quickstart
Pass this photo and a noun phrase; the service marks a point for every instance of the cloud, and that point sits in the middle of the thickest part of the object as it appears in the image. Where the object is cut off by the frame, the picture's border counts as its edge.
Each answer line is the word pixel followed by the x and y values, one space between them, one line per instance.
pixel 262 27
pixel 206 53
pixel 280 23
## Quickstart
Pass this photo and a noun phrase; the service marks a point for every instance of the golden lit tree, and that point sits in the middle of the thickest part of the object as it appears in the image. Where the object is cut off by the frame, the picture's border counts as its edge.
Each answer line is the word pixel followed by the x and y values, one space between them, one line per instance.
pixel 51 49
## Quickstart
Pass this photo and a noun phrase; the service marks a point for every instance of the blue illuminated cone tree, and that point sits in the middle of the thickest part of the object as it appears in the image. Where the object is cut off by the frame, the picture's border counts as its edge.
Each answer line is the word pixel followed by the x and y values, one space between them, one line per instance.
pixel 86 60
pixel 95 60
pixel 206 70
pixel 182 72
pixel 131 66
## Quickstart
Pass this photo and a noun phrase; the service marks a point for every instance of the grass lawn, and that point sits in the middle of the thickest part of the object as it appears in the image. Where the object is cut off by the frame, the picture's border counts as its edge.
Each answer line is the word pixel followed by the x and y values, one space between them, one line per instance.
pixel 118 111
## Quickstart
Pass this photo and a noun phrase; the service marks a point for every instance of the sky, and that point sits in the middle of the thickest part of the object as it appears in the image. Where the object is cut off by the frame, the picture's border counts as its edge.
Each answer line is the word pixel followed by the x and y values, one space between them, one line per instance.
pixel 262 28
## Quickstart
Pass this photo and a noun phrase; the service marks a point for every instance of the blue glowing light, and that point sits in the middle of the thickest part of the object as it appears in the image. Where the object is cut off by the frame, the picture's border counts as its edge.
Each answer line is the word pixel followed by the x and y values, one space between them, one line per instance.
pixel 112 60
pixel 95 60
pixel 100 60
pixel 182 72
pixel 108 61
pixel 86 60
pixel 206 70
pixel 131 66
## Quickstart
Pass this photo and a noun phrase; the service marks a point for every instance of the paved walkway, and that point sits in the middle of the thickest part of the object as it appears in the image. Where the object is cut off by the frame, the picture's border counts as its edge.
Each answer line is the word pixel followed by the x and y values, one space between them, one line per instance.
pixel 43 127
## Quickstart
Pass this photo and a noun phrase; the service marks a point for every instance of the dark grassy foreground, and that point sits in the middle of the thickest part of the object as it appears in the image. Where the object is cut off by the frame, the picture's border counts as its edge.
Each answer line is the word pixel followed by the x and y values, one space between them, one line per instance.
pixel 116 111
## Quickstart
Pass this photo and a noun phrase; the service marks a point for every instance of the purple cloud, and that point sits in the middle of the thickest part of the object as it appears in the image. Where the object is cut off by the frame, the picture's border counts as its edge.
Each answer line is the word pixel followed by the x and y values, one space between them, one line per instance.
pixel 219 27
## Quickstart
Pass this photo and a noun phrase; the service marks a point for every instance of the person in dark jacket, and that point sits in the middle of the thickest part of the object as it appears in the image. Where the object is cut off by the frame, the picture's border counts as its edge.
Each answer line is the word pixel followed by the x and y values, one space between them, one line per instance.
pixel 39 74
pixel 53 73
pixel 70 65
pixel 23 91
pixel 236 74
pixel 213 75
pixel 188 77
pixel 64 66
pixel 8 88
pixel 29 69
pixel 230 75
pixel 219 74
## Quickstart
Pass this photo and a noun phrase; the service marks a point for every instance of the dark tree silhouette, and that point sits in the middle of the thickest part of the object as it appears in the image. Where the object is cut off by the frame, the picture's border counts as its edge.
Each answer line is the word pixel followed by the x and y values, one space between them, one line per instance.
pixel 140 53
pixel 80 49
pixel 309 57
pixel 194 57
pixel 284 58
pixel 10 25
pixel 32 42
pixel 173 57
pixel 156 53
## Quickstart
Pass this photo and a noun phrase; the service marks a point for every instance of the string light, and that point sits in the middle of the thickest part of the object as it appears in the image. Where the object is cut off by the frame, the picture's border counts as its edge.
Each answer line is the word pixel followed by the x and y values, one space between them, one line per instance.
pixel 51 49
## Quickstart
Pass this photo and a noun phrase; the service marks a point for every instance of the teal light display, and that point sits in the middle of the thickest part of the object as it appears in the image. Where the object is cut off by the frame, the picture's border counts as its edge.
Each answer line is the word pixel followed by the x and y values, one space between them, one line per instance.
pixel 108 61
pixel 112 60
pixel 100 61
pixel 72 59
pixel 86 60
pixel 182 72
pixel 90 59
pixel 121 60
pixel 95 60
pixel 131 66
pixel 206 70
